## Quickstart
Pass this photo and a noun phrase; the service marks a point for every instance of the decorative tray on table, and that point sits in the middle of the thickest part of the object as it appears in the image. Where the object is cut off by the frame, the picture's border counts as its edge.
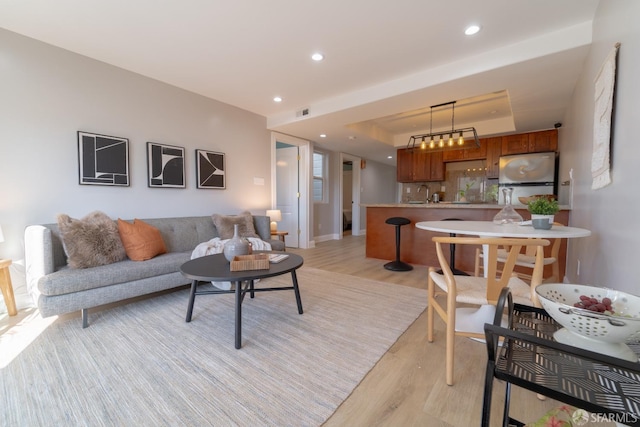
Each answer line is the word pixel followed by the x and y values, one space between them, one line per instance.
pixel 250 262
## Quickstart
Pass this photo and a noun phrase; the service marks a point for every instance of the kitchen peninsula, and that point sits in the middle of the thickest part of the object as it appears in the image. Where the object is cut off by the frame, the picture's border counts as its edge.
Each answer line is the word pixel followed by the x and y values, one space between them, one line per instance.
pixel 417 246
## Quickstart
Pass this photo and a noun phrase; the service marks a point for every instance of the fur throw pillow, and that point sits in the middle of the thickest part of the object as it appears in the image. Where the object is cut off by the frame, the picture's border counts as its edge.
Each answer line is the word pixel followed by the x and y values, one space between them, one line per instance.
pixel 91 241
pixel 224 225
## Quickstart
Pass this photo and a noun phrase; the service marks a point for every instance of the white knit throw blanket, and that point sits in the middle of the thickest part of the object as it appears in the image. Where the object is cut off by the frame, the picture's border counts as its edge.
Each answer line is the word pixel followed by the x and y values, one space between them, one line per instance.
pixel 216 246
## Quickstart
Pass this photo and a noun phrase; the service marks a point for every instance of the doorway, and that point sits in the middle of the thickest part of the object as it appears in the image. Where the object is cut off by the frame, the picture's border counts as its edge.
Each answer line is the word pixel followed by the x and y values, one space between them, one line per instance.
pixel 287 191
pixel 290 187
pixel 349 195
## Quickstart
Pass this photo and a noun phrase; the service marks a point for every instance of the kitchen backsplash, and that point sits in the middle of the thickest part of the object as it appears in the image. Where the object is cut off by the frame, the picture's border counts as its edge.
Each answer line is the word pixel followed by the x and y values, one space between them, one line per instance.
pixel 458 176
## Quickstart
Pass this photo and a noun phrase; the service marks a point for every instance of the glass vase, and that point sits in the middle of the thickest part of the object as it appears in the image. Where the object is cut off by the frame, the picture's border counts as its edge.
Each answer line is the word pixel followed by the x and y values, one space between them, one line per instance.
pixel 508 214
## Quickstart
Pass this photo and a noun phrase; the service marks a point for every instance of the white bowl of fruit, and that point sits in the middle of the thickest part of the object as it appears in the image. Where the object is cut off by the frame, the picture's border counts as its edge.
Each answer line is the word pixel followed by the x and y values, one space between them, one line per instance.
pixel 593 318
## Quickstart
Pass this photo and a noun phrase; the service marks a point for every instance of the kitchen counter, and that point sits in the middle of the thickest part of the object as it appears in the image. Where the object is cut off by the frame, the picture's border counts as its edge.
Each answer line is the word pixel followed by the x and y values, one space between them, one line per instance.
pixel 417 246
pixel 451 205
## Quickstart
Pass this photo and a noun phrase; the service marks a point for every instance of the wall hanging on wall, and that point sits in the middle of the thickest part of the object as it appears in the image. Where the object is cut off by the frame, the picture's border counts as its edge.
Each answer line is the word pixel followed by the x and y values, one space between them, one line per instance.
pixel 165 166
pixel 605 85
pixel 210 169
pixel 103 159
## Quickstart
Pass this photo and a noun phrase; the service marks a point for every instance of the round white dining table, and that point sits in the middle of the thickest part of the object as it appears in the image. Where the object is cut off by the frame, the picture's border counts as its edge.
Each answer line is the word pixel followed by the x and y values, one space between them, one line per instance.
pixel 489 229
pixel 473 319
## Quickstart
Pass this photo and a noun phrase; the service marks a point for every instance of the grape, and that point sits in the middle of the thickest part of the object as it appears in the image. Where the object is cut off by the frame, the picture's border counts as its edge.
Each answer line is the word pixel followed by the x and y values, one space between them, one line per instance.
pixel 592 304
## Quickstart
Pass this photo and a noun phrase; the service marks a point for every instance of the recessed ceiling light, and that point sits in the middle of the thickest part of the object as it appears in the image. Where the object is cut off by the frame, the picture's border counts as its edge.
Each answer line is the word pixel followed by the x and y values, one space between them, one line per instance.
pixel 323 135
pixel 317 56
pixel 472 29
pixel 277 99
pixel 389 157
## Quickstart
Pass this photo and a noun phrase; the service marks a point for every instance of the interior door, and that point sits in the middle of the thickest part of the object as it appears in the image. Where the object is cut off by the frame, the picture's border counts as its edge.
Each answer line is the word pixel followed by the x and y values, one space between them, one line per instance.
pixel 287 192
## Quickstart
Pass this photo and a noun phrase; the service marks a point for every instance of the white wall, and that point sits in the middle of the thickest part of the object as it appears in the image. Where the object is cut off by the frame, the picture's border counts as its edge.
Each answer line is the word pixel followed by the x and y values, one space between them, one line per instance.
pixel 379 184
pixel 47 94
pixel 609 257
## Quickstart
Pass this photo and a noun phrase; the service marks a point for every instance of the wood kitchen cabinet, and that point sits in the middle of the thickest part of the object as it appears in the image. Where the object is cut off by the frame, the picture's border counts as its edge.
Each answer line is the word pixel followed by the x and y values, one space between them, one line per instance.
pixel 437 166
pixel 417 165
pixel 494 151
pixel 421 165
pixel 453 155
pixel 515 144
pixel 543 141
pixel 404 165
pixel 532 142
pixel 474 153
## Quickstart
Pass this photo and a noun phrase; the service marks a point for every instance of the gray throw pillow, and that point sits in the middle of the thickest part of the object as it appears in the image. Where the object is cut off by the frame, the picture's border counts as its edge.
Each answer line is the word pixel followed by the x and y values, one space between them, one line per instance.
pixel 224 225
pixel 91 241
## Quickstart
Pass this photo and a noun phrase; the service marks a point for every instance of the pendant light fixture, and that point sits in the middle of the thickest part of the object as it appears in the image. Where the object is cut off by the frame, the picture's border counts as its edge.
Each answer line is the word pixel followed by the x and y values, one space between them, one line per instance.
pixel 450 143
pixel 432 144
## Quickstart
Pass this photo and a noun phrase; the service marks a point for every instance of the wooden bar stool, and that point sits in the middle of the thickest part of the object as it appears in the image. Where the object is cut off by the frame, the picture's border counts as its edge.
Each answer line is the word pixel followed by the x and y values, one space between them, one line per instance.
pixel 398 265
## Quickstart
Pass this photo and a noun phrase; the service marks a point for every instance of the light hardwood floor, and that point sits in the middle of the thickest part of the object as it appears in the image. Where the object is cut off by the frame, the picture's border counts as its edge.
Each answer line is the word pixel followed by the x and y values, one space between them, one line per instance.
pixel 407 386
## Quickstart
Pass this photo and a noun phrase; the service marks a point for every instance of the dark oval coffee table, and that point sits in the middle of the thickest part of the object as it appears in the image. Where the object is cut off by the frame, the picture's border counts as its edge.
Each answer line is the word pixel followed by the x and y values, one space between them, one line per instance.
pixel 216 268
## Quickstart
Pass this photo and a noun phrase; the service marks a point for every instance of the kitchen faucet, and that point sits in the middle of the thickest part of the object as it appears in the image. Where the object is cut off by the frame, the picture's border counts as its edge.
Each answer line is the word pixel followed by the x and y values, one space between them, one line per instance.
pixel 427 188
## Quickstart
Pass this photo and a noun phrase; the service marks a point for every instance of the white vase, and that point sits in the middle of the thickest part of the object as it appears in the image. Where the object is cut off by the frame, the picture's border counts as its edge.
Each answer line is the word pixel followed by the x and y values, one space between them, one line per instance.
pixel 235 246
pixel 538 216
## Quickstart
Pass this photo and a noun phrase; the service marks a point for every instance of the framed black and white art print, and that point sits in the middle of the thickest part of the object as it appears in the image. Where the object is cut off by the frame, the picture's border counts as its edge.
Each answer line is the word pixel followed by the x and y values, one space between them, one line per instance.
pixel 210 169
pixel 102 159
pixel 165 166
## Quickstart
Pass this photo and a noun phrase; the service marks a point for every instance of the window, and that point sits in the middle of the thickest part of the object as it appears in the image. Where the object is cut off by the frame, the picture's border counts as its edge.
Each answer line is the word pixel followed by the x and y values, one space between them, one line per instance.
pixel 319 177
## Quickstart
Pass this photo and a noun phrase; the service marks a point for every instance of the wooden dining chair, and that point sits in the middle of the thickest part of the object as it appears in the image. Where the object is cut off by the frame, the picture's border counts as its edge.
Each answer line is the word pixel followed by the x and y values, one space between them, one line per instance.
pixel 526 259
pixel 477 290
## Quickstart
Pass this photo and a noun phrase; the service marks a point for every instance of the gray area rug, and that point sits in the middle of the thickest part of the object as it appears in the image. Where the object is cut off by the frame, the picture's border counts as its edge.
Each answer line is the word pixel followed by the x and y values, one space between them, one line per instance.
pixel 141 364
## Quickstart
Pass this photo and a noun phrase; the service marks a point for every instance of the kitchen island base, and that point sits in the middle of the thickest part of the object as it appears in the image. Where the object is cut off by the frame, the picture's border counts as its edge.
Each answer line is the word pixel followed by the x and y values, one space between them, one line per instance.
pixel 417 247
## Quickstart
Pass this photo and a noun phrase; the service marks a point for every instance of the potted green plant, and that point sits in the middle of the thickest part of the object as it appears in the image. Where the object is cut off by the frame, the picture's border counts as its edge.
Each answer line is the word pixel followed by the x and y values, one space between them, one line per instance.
pixel 543 207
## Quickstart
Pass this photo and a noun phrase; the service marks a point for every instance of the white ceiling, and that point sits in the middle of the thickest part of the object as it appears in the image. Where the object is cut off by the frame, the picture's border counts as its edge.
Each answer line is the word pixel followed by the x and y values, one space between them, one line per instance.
pixel 385 62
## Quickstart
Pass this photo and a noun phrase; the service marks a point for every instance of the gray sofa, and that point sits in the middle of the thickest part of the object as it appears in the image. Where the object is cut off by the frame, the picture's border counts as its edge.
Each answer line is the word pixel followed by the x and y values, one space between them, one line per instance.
pixel 59 289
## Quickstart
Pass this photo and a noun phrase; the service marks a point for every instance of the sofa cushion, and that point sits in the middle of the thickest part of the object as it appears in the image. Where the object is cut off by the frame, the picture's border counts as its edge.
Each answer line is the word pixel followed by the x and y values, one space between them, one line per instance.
pixel 91 241
pixel 224 225
pixel 68 280
pixel 141 241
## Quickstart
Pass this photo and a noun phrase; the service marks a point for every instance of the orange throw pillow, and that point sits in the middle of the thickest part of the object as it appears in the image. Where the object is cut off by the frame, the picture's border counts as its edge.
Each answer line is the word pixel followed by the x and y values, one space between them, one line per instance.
pixel 141 241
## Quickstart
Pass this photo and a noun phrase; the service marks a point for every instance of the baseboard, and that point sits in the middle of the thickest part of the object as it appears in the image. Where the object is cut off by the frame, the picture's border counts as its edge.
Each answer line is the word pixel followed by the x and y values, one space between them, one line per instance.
pixel 326 237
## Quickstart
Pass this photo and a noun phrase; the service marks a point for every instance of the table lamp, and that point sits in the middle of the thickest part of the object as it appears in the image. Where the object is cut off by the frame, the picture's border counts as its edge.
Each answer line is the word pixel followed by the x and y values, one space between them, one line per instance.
pixel 275 215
